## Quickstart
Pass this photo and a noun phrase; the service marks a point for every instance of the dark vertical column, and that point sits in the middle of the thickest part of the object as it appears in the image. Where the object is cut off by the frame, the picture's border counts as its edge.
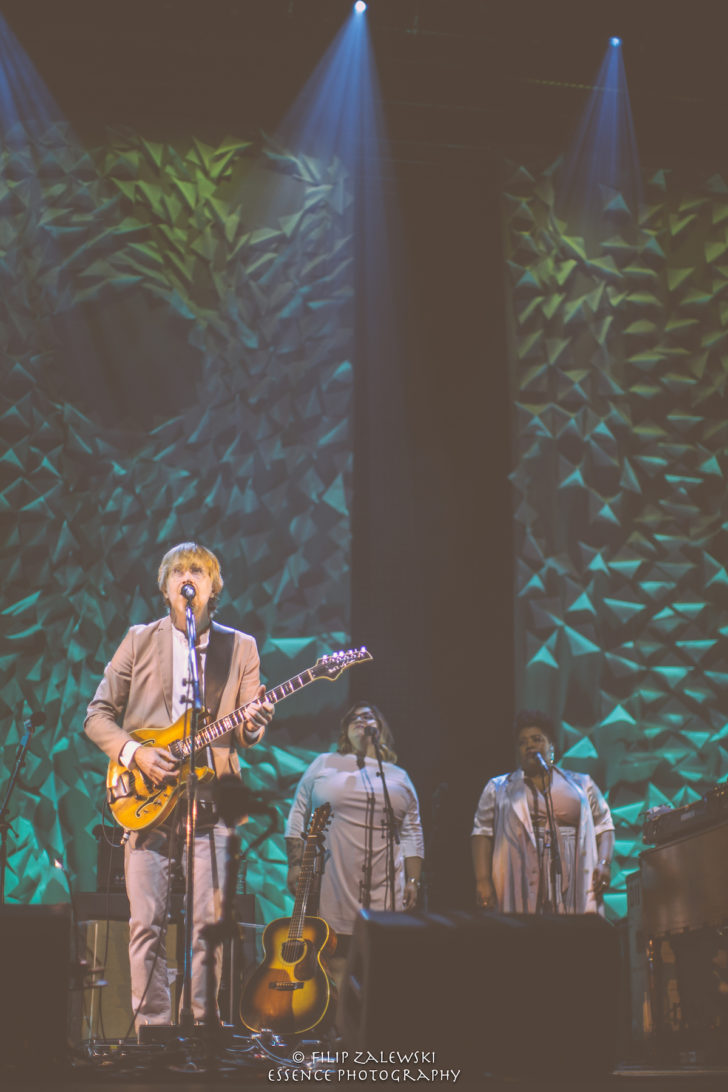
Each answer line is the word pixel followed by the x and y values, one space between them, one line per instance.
pixel 432 565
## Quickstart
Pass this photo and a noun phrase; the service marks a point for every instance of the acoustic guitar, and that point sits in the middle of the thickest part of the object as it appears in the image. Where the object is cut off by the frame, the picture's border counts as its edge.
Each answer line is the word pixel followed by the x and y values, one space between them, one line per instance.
pixel 290 991
pixel 136 803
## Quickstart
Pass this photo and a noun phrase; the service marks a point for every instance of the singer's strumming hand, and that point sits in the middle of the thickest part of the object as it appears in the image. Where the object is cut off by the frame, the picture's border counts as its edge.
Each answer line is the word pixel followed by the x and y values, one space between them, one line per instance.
pixel 156 763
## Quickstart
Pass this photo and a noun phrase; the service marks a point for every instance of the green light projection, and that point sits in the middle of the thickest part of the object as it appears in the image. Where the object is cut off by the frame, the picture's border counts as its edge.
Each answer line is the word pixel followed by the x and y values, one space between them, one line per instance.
pixel 619 361
pixel 178 332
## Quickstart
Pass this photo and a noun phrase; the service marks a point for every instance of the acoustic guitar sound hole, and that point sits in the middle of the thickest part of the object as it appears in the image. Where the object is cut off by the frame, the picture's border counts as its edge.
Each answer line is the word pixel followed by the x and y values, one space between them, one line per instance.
pixel 293 950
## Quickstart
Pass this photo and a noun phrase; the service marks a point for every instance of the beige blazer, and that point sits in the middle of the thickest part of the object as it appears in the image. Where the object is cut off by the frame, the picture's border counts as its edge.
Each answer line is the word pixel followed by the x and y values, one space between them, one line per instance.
pixel 136 691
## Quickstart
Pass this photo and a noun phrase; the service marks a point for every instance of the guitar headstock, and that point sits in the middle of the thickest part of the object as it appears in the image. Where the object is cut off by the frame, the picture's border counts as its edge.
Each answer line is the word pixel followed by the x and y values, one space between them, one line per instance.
pixel 332 665
pixel 319 820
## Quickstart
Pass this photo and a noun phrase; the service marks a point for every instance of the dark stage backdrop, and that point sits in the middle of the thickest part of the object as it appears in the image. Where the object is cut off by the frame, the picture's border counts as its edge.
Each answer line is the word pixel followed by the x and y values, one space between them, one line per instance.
pixel 618 362
pixel 176 323
pixel 432 559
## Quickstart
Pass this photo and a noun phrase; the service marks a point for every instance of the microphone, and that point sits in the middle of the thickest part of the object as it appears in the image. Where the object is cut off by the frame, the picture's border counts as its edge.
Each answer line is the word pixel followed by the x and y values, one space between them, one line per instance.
pixel 34 721
pixel 188 591
pixel 541 761
pixel 373 731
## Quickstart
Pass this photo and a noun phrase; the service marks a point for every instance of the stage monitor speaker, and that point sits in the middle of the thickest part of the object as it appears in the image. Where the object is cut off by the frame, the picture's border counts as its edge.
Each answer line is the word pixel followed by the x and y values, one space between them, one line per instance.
pixel 35 956
pixel 509 994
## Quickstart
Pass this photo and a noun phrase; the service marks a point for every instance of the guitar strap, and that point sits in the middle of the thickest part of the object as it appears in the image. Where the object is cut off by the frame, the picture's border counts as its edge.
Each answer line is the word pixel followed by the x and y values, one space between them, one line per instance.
pixel 218 659
pixel 217 665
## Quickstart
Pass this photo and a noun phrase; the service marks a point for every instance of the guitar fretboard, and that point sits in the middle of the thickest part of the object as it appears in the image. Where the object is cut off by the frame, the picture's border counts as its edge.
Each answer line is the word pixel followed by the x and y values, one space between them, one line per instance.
pixel 303 889
pixel 183 747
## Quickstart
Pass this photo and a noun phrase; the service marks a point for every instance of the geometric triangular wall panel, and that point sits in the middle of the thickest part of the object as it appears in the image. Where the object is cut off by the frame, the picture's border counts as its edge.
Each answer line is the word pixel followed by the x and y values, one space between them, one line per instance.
pixel 619 362
pixel 176 324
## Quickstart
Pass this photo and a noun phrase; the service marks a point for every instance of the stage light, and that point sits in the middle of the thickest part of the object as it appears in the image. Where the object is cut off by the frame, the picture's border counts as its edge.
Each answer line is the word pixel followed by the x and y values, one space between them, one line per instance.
pixel 360 7
pixel 603 156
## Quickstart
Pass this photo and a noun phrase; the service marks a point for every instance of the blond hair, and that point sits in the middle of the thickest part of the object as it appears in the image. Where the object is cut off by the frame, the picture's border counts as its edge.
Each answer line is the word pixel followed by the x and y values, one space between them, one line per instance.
pixel 183 554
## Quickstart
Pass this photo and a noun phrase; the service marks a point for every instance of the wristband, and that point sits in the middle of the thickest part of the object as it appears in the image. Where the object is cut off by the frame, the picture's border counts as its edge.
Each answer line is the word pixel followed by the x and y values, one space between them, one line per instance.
pixel 605 861
pixel 413 880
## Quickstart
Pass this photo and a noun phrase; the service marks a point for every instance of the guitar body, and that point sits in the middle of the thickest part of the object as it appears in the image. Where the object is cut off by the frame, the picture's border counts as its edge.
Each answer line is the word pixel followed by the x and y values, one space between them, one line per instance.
pixel 290 992
pixel 134 801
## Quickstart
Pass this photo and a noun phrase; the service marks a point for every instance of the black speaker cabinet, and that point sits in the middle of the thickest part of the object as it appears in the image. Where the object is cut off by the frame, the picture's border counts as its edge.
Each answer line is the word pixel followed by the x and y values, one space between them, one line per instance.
pixel 509 994
pixel 35 956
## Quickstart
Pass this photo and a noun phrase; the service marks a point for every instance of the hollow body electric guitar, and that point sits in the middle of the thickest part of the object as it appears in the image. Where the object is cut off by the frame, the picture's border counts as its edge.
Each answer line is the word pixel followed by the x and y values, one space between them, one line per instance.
pixel 136 803
pixel 291 992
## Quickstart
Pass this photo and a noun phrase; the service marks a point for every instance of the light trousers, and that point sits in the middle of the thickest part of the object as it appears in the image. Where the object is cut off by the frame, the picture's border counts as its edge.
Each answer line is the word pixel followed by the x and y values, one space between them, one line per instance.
pixel 146 866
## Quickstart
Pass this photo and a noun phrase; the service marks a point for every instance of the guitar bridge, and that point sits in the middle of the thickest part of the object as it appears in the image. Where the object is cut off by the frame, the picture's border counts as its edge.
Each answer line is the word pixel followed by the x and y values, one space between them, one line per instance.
pixel 285 985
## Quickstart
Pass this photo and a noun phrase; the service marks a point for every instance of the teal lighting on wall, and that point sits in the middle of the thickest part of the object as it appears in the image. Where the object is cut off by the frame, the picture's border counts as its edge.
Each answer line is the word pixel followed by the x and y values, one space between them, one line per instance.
pixel 177 365
pixel 619 370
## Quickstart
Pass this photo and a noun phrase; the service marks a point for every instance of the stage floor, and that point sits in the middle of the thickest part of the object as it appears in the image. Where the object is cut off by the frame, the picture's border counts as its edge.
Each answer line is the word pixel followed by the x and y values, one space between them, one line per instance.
pixel 136 1069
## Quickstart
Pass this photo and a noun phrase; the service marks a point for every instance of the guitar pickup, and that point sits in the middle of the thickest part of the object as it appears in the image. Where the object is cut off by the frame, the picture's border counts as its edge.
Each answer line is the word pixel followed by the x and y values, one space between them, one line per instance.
pixel 285 985
pixel 122 787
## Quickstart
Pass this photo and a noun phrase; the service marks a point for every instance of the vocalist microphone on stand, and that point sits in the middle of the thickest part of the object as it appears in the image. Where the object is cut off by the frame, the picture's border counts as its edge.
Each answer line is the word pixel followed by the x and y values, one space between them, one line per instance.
pixel 126 698
pixel 542 762
pixel 556 861
pixel 554 900
pixel 374 842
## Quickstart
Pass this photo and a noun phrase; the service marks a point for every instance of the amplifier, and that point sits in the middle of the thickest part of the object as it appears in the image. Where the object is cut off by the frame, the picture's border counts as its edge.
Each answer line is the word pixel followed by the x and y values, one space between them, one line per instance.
pixel 684 883
pixel 110 861
pixel 100 906
pixel 672 823
pixel 109 858
pixel 667 824
pixel 103 941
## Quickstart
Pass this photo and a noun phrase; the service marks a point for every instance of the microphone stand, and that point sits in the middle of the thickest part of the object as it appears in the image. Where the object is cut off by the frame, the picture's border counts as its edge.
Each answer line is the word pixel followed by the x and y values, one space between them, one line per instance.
pixel 233 804
pixel 187 1016
pixel 28 726
pixel 555 854
pixel 390 825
